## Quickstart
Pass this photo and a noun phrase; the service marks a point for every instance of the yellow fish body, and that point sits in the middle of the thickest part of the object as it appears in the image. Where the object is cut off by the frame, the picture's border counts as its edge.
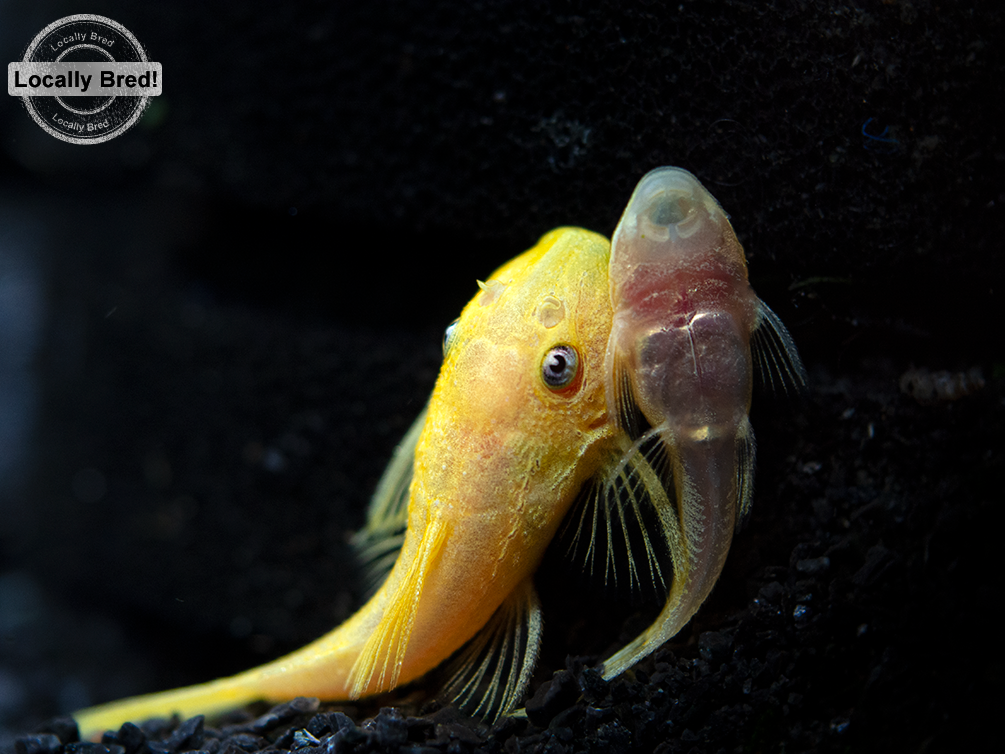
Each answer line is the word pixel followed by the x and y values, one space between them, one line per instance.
pixel 515 425
pixel 687 334
pixel 614 377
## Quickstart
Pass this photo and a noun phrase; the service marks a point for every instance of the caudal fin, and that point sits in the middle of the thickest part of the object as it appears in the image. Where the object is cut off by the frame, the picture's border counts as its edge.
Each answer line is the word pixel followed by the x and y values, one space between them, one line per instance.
pixel 210 698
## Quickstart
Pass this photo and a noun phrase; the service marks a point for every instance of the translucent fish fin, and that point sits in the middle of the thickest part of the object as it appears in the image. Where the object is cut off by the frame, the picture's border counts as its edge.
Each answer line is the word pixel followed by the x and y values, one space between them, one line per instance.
pixel 378 543
pixel 490 674
pixel 746 449
pixel 379 664
pixel 585 512
pixel 678 609
pixel 615 515
pixel 775 355
pixel 627 414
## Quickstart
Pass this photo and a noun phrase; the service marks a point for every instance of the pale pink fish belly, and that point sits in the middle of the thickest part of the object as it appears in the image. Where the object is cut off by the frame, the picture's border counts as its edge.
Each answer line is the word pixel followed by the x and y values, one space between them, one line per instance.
pixel 680 353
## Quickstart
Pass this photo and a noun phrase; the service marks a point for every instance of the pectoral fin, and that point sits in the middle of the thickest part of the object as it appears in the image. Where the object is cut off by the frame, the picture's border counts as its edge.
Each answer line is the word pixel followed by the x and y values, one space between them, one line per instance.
pixel 379 664
pixel 620 395
pixel 491 673
pixel 775 356
pixel 378 543
pixel 617 512
pixel 673 528
pixel 746 450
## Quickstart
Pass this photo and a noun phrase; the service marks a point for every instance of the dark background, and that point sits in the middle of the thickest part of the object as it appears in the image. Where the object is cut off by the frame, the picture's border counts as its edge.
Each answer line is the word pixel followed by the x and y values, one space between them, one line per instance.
pixel 214 329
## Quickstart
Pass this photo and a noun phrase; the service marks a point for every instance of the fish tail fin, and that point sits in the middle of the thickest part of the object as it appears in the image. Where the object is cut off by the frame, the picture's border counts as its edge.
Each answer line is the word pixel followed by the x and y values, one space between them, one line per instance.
pixel 210 698
pixel 492 671
pixel 378 666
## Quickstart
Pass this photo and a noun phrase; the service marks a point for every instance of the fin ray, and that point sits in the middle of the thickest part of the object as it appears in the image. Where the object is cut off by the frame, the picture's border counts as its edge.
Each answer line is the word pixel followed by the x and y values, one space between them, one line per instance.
pixel 384 652
pixel 672 528
pixel 775 354
pixel 491 673
pixel 378 543
pixel 627 414
pixel 613 518
pixel 746 450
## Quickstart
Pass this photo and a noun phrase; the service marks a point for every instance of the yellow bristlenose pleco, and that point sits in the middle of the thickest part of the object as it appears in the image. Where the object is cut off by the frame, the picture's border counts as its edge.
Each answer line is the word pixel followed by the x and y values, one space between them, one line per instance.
pixel 484 479
pixel 616 378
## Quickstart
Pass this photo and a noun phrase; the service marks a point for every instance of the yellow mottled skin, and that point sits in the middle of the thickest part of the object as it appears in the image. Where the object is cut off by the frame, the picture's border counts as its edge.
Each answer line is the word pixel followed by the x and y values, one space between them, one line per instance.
pixel 499 460
pixel 620 376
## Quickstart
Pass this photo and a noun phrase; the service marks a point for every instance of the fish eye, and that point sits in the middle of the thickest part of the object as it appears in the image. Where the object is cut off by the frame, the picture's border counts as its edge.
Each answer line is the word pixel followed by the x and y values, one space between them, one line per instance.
pixel 448 334
pixel 560 367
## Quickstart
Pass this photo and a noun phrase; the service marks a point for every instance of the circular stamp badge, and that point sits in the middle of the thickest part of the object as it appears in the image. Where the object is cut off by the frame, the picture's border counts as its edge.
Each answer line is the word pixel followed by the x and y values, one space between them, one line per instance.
pixel 85 79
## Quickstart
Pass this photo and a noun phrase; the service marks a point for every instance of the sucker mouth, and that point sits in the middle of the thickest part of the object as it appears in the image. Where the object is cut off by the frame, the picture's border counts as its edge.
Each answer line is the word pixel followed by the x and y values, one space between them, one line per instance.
pixel 672 214
pixel 670 208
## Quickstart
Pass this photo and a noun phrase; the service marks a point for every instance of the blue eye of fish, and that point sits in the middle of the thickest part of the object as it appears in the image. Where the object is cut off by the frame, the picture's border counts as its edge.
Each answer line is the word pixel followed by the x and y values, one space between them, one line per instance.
pixel 560 366
pixel 447 335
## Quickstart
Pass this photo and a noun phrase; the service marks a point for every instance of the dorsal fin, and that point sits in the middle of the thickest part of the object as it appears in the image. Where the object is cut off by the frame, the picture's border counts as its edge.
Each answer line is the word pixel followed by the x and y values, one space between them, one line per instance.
pixel 378 543
pixel 774 352
pixel 384 651
pixel 490 674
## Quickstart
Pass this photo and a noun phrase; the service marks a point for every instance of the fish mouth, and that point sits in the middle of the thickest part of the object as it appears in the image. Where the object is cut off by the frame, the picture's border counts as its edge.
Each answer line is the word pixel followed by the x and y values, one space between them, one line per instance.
pixel 670 215
pixel 669 205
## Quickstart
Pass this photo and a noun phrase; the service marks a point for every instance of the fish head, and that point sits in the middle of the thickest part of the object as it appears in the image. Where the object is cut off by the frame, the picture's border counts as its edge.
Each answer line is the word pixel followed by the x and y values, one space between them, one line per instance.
pixel 683 307
pixel 519 405
pixel 672 231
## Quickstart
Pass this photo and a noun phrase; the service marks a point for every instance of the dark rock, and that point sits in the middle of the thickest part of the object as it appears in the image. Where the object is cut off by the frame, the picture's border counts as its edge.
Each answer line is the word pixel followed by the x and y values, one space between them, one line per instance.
pixel 130 737
pixel 450 733
pixel 283 713
pixel 186 736
pixel 813 566
pixel 419 728
pixel 592 685
pixel 303 739
pixel 714 646
pixel 245 742
pixel 329 722
pixel 771 594
pixel 390 727
pixel 86 747
pixel 64 728
pixel 42 743
pixel 158 727
pixel 551 697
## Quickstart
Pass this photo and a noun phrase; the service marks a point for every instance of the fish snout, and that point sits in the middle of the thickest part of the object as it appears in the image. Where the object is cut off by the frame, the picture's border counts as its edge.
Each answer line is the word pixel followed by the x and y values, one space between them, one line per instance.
pixel 669 209
pixel 671 215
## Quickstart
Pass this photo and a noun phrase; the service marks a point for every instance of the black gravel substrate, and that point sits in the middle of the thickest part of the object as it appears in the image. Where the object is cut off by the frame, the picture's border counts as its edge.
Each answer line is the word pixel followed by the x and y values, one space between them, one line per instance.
pixel 854 614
